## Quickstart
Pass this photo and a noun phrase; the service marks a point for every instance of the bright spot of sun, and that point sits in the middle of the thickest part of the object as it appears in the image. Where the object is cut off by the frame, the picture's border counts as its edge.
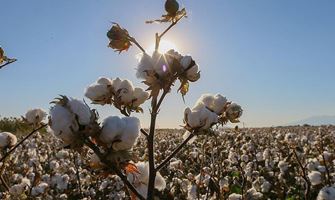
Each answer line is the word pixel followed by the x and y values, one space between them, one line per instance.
pixel 164 46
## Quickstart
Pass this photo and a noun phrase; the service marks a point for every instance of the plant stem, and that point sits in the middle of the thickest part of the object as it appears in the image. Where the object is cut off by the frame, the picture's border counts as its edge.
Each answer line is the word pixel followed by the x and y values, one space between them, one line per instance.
pixel 24 139
pixel 77 173
pixel 137 44
pixel 304 176
pixel 113 168
pixel 177 150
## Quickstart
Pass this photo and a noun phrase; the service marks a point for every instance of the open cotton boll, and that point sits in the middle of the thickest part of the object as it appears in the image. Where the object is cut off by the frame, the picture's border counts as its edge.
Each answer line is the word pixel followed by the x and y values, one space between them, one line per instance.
pixel 235 196
pixel 39 189
pixel 141 180
pixel 17 189
pixel 140 95
pixel 99 92
pixel 7 139
pixel 80 109
pixel 35 116
pixel 63 123
pixel 234 111
pixel 326 193
pixel 125 92
pixel 112 127
pixel 145 65
pixel 116 83
pixel 161 66
pixel 129 135
pixel 192 68
pixel 315 177
pixel 200 118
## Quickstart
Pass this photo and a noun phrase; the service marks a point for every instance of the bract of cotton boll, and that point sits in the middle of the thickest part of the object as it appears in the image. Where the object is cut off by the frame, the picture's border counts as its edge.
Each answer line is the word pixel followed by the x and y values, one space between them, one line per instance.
pixel 35 116
pixel 81 110
pixel 7 140
pixel 191 68
pixel 99 92
pixel 315 177
pixel 326 193
pixel 234 111
pixel 139 97
pixel 235 196
pixel 141 180
pixel 121 133
pixel 63 123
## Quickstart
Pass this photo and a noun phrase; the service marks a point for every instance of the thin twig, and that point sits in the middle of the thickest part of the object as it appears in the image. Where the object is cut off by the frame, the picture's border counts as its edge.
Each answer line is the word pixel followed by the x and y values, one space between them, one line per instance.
pixel 77 173
pixel 24 139
pixel 146 134
pixel 177 150
pixel 8 62
pixel 137 44
pixel 304 175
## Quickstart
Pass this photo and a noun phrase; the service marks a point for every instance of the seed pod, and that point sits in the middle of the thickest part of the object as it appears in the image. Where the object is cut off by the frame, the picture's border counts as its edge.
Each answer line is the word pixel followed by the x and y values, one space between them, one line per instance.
pixel 171 7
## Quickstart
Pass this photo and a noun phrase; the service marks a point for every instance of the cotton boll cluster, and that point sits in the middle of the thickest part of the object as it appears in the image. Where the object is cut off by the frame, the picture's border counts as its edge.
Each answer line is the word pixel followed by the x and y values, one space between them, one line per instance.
pixel 35 116
pixel 159 71
pixel 7 140
pixel 66 118
pixel 121 93
pixel 141 179
pixel 209 110
pixel 120 133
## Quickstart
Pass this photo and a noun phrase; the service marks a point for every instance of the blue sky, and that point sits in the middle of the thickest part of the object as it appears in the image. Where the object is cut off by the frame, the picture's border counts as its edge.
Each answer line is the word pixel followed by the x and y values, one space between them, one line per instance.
pixel 275 58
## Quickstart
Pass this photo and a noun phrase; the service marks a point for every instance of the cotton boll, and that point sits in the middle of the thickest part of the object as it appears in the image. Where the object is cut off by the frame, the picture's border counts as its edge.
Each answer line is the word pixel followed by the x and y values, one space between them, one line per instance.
pixel 39 189
pixel 116 83
pixel 7 139
pixel 315 177
pixel 125 92
pixel 63 123
pixel 192 192
pixel 112 127
pixel 145 65
pixel 140 180
pixel 35 116
pixel 266 186
pixel 235 196
pixel 98 93
pixel 129 135
pixel 140 95
pixel 215 103
pixel 160 65
pixel 186 61
pixel 234 111
pixel 201 118
pixel 283 166
pixel 327 193
pixel 17 189
pixel 81 110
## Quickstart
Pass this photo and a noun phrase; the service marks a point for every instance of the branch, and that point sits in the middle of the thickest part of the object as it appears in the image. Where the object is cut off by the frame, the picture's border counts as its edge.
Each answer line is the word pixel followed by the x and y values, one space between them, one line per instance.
pixel 77 173
pixel 8 62
pixel 146 134
pixel 137 44
pixel 160 166
pixel 113 168
pixel 24 139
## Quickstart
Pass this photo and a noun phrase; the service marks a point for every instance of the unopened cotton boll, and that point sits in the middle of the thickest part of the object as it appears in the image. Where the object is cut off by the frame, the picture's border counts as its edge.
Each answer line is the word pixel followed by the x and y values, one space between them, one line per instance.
pixel 326 193
pixel 35 116
pixel 7 139
pixel 140 96
pixel 315 177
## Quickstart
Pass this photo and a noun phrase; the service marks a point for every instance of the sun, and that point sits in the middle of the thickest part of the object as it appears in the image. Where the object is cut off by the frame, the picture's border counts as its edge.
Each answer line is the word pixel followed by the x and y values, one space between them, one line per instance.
pixel 164 46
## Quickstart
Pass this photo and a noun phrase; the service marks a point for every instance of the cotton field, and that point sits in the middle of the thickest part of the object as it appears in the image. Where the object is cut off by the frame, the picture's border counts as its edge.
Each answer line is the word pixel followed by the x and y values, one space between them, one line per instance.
pixel 263 163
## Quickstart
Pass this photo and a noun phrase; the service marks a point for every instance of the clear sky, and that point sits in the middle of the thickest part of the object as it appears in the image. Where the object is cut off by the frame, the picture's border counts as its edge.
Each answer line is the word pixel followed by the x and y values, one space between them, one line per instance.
pixel 274 57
